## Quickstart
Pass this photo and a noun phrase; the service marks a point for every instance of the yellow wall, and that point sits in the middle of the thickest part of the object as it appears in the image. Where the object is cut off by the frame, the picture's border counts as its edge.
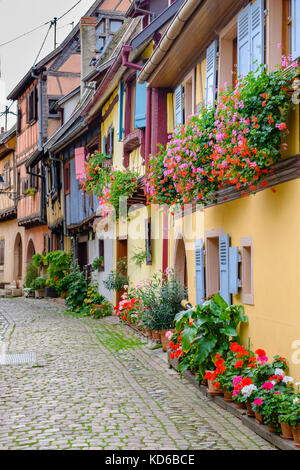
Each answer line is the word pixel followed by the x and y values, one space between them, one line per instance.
pixel 113 119
pixel 272 220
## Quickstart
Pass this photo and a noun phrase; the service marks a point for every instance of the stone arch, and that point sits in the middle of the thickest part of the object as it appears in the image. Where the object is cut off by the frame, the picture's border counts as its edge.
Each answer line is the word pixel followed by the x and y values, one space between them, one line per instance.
pixel 30 251
pixel 180 261
pixel 18 257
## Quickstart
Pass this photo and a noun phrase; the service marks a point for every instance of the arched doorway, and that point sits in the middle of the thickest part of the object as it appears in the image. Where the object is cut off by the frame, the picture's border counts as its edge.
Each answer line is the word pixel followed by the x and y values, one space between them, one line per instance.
pixel 18 258
pixel 180 262
pixel 30 251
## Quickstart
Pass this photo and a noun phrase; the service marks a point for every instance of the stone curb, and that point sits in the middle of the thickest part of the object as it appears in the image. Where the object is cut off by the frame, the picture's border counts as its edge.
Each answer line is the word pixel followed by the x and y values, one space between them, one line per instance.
pixel 10 326
pixel 259 429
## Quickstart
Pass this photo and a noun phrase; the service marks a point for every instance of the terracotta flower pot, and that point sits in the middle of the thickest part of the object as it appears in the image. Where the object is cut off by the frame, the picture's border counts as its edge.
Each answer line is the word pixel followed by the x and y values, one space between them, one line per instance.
pixel 148 333
pixel 164 340
pixel 250 412
pixel 259 418
pixel 271 428
pixel 212 390
pixel 228 396
pixel 286 431
pixel 156 336
pixel 296 435
pixel 239 405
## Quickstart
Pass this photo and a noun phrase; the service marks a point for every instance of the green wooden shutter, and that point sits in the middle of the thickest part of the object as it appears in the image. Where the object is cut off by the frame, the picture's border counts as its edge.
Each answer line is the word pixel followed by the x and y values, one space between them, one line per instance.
pixel 104 151
pixel 199 273
pixel 211 73
pixel 224 267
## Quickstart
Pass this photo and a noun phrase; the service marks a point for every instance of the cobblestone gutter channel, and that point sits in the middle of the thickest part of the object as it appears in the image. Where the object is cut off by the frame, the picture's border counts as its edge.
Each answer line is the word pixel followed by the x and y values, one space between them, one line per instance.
pixel 96 385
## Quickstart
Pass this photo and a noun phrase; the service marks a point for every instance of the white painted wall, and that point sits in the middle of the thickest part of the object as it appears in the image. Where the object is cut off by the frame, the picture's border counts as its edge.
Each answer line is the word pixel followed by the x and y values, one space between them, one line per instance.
pixel 108 264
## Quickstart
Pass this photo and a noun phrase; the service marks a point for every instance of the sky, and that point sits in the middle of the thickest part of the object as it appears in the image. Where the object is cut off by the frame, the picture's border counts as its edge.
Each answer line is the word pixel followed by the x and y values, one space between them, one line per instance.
pixel 18 17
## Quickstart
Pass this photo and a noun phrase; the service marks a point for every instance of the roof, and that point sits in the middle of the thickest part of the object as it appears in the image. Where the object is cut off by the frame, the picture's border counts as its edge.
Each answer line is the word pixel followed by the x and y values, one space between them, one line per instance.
pixel 8 135
pixel 27 78
pixel 65 98
pixel 157 23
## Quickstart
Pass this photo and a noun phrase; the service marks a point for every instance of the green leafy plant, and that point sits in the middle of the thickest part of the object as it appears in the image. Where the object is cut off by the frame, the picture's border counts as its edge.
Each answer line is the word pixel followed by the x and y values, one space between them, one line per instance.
pixel 117 278
pixel 96 174
pixel 207 330
pixel 39 283
pixel 98 263
pixel 30 192
pixel 31 274
pixel 139 258
pixel 58 266
pixel 77 287
pixel 39 260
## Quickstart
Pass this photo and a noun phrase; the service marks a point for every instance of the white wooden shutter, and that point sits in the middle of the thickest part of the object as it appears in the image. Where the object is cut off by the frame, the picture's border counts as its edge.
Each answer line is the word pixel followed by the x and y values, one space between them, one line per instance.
pixel 178 106
pixel 257 34
pixel 244 41
pixel 224 267
pixel 211 73
pixel 199 264
pixel 295 29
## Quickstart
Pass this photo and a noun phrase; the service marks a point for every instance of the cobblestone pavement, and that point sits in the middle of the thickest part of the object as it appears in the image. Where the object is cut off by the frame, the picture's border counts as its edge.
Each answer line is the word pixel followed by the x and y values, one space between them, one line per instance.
pixel 95 385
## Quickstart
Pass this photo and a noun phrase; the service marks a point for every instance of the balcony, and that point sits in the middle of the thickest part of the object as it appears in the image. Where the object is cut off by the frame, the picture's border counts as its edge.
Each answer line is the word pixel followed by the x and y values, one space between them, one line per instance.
pixel 29 210
pixel 8 208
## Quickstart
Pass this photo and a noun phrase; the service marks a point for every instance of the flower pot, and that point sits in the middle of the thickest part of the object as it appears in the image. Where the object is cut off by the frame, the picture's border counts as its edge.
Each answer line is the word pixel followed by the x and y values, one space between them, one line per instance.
pixel 39 293
pixel 148 333
pixel 296 435
pixel 239 405
pixel 259 418
pixel 286 431
pixel 212 390
pixel 51 292
pixel 249 412
pixel 164 341
pixel 156 336
pixel 228 396
pixel 271 428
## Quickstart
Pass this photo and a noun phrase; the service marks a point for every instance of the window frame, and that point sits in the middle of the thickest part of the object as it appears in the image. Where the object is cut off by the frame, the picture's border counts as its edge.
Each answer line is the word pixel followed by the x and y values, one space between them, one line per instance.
pixel 247 271
pixel 212 265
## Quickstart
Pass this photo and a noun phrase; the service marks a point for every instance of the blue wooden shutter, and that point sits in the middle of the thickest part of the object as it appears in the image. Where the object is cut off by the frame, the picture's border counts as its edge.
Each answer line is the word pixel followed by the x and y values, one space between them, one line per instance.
pixel 121 101
pixel 199 264
pixel 178 106
pixel 234 282
pixel 257 34
pixel 224 267
pixel 104 146
pixel 140 105
pixel 295 29
pixel 244 41
pixel 211 73
pixel 111 140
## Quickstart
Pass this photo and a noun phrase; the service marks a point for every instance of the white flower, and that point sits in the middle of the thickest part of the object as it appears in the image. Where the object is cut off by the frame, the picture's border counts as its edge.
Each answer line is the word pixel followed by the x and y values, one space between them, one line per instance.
pixel 279 371
pixel 248 389
pixel 296 400
pixel 288 380
pixel 274 382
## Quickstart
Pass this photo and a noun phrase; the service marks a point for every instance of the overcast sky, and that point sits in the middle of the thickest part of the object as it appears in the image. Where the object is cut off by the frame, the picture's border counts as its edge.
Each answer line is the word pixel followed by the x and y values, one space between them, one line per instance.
pixel 18 17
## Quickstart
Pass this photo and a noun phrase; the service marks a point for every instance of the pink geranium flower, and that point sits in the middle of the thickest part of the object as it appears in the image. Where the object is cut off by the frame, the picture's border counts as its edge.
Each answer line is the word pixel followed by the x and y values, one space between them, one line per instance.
pixel 258 401
pixel 268 386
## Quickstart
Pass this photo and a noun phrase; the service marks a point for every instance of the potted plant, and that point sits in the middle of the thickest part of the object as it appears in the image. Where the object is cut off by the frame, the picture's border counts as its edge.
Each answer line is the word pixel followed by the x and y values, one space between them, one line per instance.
pixel 291 417
pixel 38 285
pixel 284 411
pixel 30 192
pixel 98 263
pixel 28 292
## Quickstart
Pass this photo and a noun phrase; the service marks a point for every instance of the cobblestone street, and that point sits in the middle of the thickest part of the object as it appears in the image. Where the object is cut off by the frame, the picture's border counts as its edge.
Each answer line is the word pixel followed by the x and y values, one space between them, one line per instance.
pixel 95 385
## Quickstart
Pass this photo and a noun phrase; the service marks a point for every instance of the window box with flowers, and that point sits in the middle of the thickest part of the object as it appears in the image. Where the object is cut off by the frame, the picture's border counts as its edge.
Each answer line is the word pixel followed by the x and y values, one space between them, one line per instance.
pixel 229 144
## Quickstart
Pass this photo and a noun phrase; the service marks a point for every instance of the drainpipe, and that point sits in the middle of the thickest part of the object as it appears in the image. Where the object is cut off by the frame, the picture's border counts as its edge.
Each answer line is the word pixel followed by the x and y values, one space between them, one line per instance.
pixel 125 55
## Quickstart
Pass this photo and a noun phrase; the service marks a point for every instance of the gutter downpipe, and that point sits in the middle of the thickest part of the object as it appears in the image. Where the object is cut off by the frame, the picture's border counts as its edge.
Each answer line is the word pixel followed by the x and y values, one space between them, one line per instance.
pixel 125 55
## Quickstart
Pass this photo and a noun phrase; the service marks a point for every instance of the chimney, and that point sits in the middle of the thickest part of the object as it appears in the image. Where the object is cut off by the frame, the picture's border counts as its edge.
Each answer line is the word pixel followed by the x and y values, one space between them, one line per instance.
pixel 88 45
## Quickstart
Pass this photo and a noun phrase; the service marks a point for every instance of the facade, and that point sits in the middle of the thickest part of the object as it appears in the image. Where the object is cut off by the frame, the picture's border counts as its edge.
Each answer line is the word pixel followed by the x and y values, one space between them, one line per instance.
pixel 11 236
pixel 262 229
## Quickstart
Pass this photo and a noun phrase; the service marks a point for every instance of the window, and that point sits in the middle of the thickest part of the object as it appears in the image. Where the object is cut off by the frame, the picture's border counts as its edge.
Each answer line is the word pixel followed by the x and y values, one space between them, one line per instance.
pixel 115 25
pixel 34 179
pixel 31 105
pixel 100 43
pixel 19 121
pixel 6 175
pixel 189 95
pixel 53 112
pixel 212 265
pixel 247 270
pixel 295 10
pixel 2 246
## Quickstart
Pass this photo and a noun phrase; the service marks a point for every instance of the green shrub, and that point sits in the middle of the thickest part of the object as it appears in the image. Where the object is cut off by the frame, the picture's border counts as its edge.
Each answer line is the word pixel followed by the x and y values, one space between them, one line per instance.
pixel 38 283
pixel 31 274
